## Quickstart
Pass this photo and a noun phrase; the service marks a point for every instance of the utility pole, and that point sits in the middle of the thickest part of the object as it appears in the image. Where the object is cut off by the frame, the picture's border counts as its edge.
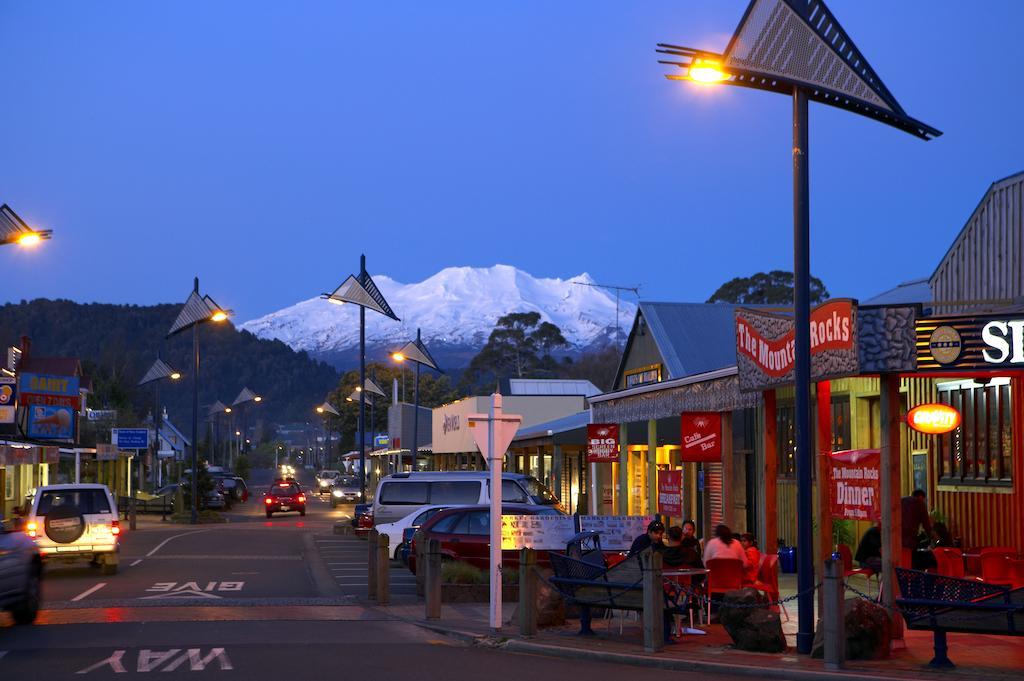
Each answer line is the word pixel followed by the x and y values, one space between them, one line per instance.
pixel 618 290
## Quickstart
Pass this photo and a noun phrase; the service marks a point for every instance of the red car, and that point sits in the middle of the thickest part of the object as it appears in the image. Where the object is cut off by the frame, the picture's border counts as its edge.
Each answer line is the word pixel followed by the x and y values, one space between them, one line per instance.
pixel 464 533
pixel 285 496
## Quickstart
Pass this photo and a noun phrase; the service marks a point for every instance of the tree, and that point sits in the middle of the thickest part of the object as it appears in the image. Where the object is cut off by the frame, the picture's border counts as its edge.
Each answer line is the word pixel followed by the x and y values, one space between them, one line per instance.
pixel 520 345
pixel 771 288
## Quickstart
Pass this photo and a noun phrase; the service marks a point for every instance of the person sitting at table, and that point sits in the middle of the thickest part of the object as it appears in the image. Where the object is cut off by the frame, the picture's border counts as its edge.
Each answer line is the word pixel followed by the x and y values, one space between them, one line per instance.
pixel 869 550
pixel 690 545
pixel 749 544
pixel 723 545
pixel 652 538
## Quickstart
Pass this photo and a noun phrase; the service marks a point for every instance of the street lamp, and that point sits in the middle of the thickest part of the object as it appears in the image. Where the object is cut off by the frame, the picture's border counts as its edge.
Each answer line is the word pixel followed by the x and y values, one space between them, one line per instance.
pixel 14 230
pixel 363 292
pixel 213 416
pixel 197 310
pixel 244 398
pixel 326 410
pixel 160 371
pixel 416 352
pixel 798 48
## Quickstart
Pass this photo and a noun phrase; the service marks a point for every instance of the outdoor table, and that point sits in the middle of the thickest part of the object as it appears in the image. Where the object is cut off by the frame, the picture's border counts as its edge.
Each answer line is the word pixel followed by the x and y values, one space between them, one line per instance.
pixel 692 572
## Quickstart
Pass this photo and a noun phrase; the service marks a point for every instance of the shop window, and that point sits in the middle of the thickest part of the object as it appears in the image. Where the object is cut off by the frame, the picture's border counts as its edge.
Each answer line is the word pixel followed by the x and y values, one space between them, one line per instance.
pixel 643 375
pixel 786 432
pixel 841 423
pixel 980 451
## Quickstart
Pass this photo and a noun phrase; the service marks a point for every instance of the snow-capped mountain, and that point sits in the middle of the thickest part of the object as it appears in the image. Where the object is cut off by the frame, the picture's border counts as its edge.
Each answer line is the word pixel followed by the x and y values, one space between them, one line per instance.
pixel 455 309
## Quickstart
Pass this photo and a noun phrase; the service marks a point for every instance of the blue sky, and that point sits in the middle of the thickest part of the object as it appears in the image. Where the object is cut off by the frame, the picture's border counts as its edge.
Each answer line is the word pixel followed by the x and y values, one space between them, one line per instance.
pixel 264 145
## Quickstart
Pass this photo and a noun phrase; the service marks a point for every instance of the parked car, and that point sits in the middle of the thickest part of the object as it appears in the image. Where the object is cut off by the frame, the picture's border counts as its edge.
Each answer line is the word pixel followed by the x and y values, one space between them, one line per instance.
pixel 400 494
pixel 285 496
pixel 76 522
pixel 362 519
pixel 344 490
pixel 396 531
pixel 21 571
pixel 465 534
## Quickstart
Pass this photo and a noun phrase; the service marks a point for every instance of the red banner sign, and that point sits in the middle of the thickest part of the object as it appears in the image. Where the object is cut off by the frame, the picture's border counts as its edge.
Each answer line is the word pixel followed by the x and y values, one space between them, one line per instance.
pixel 854 488
pixel 602 442
pixel 34 399
pixel 701 436
pixel 831 329
pixel 670 493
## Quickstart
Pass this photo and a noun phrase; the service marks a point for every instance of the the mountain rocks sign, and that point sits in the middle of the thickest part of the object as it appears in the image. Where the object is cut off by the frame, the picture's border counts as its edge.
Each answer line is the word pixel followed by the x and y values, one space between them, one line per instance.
pixel 766 345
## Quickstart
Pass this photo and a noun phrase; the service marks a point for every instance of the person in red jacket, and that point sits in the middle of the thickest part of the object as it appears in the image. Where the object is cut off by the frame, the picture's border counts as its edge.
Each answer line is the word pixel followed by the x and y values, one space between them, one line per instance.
pixel 753 567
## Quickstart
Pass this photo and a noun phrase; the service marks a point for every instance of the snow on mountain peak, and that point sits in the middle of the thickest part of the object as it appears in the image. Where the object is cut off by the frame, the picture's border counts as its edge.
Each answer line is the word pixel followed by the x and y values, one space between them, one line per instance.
pixel 457 306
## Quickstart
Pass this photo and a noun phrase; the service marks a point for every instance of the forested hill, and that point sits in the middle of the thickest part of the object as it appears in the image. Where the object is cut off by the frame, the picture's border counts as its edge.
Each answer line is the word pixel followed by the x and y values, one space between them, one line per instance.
pixel 118 343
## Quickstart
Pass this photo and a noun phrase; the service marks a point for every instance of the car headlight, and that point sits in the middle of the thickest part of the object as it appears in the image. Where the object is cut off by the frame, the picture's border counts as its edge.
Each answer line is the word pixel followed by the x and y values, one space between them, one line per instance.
pixel 324 483
pixel 337 492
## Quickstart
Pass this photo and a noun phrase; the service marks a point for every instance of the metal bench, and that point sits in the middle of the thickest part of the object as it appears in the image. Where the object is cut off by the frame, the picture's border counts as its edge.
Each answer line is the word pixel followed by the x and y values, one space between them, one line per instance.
pixel 941 604
pixel 581 576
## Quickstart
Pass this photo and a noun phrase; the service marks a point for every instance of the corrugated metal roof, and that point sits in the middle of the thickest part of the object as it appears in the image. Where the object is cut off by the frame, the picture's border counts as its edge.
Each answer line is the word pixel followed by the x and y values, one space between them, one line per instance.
pixel 562 425
pixel 551 386
pixel 914 291
pixel 693 338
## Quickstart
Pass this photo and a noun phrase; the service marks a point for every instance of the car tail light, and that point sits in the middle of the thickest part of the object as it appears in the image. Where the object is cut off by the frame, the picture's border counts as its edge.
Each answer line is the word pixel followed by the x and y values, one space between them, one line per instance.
pixel 31 528
pixel 302 498
pixel 269 500
pixel 115 527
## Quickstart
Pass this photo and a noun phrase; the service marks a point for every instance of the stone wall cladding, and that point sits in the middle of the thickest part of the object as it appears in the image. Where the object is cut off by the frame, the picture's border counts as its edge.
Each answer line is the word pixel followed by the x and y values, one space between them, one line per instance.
pixel 887 340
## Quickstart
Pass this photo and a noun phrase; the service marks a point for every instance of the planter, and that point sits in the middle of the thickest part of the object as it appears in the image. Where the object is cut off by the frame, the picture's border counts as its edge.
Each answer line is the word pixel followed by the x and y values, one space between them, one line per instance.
pixel 476 593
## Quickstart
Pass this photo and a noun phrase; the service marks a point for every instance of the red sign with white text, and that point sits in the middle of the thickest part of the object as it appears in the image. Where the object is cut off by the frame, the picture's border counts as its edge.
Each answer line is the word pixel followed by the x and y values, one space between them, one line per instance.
pixel 854 489
pixel 701 433
pixel 831 329
pixel 670 493
pixel 602 442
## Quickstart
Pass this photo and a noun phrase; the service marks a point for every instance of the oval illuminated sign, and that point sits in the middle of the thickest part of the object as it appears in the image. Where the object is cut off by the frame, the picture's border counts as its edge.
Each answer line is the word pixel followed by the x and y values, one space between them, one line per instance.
pixel 933 419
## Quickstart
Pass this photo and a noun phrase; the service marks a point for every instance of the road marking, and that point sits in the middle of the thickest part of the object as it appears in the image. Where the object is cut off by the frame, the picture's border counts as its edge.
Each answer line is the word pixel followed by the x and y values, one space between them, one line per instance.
pixel 88 591
pixel 149 660
pixel 161 544
pixel 135 563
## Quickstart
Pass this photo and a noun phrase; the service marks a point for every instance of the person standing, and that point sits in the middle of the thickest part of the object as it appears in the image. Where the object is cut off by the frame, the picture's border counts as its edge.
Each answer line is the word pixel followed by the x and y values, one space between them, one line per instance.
pixel 914 518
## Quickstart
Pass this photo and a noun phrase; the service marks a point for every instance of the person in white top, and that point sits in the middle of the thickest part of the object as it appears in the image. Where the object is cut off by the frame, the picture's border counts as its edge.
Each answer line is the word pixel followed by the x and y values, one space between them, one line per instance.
pixel 722 545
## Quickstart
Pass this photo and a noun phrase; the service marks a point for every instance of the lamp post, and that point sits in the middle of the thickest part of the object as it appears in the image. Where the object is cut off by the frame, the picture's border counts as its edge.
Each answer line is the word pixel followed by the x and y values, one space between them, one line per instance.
pixel 369 391
pixel 326 410
pixel 158 372
pixel 14 230
pixel 363 292
pixel 416 351
pixel 798 48
pixel 245 398
pixel 197 310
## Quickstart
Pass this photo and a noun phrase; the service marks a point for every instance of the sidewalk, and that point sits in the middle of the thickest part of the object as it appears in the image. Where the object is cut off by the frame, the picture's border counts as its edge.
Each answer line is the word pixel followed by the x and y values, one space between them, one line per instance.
pixel 976 656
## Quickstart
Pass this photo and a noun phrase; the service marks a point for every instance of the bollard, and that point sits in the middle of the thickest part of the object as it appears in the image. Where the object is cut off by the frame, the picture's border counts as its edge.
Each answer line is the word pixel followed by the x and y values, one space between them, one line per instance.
pixel 527 592
pixel 421 563
pixel 832 616
pixel 654 601
pixel 383 570
pixel 432 581
pixel 371 565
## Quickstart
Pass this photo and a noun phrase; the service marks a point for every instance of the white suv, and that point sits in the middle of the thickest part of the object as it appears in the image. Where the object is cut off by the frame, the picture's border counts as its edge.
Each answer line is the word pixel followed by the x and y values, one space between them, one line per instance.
pixel 76 522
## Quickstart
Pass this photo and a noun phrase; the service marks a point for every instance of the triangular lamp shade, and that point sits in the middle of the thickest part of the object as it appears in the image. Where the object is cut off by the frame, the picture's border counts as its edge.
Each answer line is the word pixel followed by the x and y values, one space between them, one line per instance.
pixel 365 294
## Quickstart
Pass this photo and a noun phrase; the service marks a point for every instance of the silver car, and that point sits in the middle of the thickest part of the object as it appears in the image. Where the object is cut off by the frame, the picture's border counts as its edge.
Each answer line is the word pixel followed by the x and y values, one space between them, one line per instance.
pixel 21 569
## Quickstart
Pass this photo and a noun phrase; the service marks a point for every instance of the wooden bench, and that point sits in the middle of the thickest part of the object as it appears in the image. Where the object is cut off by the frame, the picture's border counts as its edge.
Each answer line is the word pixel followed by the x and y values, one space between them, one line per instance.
pixel 941 604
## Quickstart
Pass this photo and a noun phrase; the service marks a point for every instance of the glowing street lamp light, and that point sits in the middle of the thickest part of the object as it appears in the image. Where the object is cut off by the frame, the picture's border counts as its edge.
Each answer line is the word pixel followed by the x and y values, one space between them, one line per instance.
pixel 245 396
pixel 798 48
pixel 361 291
pixel 197 310
pixel 14 230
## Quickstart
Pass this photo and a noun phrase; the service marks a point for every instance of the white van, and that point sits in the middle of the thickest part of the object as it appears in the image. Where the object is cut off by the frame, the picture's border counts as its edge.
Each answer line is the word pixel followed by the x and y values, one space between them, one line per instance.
pixel 400 494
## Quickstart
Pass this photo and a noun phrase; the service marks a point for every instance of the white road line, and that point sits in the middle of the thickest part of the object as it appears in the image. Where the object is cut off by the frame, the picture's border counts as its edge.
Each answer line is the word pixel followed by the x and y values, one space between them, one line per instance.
pixel 135 563
pixel 89 591
pixel 161 544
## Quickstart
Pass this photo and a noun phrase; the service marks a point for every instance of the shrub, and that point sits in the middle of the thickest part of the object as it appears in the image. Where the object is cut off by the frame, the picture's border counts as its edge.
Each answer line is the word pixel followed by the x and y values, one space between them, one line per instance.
pixel 457 572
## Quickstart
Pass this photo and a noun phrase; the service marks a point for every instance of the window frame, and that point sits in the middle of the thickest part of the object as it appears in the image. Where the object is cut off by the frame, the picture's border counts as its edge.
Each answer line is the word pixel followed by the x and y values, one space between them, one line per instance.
pixel 977 455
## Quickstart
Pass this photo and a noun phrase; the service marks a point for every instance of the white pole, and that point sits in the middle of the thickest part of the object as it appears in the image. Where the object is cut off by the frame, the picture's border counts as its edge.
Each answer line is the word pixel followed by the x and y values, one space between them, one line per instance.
pixel 593 503
pixel 495 462
pixel 78 466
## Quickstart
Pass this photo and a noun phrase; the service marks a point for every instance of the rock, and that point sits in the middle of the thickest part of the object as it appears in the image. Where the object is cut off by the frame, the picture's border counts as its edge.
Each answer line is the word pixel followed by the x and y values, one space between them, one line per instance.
pixel 751 623
pixel 550 604
pixel 868 631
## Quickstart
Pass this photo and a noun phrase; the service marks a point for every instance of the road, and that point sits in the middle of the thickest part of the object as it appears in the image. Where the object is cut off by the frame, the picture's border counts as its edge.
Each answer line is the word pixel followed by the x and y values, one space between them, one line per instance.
pixel 248 598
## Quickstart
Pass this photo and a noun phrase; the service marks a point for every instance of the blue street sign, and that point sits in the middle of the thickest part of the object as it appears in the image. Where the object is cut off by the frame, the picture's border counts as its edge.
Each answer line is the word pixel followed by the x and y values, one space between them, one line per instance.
pixel 131 438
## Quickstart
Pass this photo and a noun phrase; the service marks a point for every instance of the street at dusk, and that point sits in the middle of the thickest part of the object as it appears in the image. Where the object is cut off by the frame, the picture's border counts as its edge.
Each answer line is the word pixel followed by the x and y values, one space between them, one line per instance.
pixel 519 340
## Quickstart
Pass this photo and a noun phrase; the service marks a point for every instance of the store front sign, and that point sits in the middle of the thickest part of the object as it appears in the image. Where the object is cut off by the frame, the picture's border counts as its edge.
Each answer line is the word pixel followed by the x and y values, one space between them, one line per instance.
pixel 8 398
pixel 854 487
pixel 48 422
pixel 539 532
pixel 49 391
pixel 602 442
pixel 933 419
pixel 966 343
pixel 670 493
pixel 766 345
pixel 701 435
